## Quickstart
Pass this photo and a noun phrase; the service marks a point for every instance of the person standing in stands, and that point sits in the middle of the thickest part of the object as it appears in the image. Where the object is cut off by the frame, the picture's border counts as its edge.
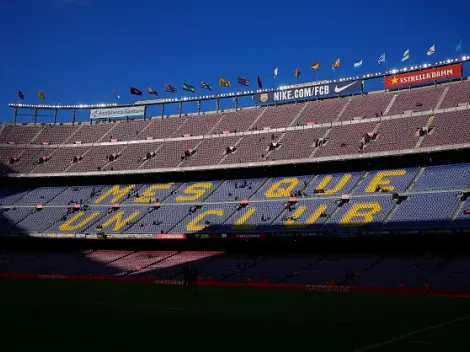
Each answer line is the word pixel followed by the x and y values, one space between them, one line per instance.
pixel 186 277
pixel 426 288
pixel 194 274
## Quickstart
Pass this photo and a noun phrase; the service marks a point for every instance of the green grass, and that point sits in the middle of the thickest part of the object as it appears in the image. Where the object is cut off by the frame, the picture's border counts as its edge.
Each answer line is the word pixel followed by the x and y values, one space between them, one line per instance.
pixel 72 316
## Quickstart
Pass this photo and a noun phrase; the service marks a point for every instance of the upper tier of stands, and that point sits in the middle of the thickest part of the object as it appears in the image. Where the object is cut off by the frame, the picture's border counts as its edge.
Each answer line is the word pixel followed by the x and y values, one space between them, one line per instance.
pixel 338 126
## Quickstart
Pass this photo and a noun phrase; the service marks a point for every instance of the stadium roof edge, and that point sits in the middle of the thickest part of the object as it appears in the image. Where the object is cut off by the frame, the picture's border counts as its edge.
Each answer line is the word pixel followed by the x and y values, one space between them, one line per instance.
pixel 363 77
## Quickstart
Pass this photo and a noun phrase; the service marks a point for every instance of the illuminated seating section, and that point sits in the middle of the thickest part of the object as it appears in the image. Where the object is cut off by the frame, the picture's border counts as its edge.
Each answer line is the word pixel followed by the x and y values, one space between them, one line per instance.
pixel 331 127
pixel 358 270
pixel 409 198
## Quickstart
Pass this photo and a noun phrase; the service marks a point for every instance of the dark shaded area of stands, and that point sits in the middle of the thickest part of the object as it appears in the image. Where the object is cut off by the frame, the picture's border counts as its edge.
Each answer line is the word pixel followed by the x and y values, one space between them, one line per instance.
pixel 22 243
pixel 385 162
pixel 399 244
pixel 5 224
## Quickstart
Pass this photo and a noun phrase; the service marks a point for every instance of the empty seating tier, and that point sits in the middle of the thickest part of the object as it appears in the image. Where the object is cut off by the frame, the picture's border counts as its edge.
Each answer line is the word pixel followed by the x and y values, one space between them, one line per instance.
pixel 412 272
pixel 416 198
pixel 376 122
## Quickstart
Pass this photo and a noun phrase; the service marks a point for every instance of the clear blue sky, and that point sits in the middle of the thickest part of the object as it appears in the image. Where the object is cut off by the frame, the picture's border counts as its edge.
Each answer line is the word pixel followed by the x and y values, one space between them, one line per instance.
pixel 78 51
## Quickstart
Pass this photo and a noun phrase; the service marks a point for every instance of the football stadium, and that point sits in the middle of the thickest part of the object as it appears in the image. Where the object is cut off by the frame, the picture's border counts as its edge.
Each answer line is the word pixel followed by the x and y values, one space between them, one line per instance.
pixel 330 213
pixel 341 200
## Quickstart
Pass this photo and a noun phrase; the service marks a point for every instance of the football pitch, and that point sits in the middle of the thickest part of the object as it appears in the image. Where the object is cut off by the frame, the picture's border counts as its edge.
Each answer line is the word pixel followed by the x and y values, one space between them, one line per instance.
pixel 66 315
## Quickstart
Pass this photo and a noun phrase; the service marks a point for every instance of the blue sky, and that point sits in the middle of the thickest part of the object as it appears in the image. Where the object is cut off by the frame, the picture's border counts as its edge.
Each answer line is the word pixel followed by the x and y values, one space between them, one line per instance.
pixel 78 51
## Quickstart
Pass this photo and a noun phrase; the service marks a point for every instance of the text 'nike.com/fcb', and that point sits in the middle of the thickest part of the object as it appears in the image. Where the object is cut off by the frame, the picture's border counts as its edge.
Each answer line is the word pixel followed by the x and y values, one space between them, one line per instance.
pixel 309 92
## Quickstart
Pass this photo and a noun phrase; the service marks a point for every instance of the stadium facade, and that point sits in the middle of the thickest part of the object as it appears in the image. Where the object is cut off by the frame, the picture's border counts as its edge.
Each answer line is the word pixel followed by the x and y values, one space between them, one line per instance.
pixel 315 168
pixel 356 162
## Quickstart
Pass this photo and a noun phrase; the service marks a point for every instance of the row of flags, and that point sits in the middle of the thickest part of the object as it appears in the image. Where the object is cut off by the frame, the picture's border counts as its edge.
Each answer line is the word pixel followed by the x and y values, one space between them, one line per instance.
pixel 431 51
pixel 381 60
pixel 41 95
pixel 245 82
pixel 190 88
pixel 169 88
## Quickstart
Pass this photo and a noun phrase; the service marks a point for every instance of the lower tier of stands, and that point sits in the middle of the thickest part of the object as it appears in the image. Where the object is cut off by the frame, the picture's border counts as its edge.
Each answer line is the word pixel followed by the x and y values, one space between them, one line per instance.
pixel 360 270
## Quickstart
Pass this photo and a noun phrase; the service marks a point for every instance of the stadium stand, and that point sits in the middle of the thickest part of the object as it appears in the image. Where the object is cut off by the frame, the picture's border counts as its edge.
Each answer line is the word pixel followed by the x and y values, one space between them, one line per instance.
pixel 397 134
pixel 448 128
pixel 369 105
pixel 376 122
pixel 368 200
pixel 355 270
pixel 457 95
pixel 321 111
pixel 414 198
pixel 423 117
pixel 421 99
pixel 55 134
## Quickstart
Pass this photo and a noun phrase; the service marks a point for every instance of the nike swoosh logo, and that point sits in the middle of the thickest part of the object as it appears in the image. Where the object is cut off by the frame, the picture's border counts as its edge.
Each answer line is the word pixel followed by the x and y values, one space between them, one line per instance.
pixel 339 90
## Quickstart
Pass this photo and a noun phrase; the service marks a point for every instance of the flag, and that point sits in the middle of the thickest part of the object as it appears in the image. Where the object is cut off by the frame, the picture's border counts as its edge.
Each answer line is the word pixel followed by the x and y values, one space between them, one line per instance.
pixel 116 94
pixel 20 95
pixel 297 73
pixel 224 83
pixel 152 91
pixel 358 64
pixel 316 66
pixel 205 85
pixel 189 88
pixel 243 81
pixel 170 88
pixel 135 91
pixel 431 50
pixel 260 84
pixel 406 55
pixel 381 59
pixel 41 95
pixel 337 63
pixel 275 72
pixel 458 47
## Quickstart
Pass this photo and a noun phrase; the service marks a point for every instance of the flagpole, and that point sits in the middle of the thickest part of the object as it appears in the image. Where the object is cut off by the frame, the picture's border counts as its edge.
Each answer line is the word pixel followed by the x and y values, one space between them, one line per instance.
pixel 36 110
pixel 217 93
pixel 276 77
pixel 16 108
